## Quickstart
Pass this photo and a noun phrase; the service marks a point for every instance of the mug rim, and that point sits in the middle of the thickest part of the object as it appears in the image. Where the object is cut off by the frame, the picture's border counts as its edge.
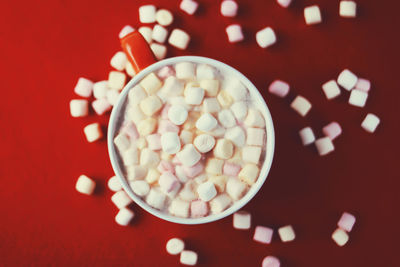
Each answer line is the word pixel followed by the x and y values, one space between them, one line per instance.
pixel 254 93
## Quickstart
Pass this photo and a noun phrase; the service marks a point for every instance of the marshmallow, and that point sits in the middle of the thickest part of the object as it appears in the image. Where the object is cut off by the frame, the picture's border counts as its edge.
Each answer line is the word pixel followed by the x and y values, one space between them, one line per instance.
pixel 101 106
pixel 271 261
pixel 166 166
pixel 263 234
pixel 206 191
pixel 251 154
pixel 164 111
pixel 112 97
pixel 135 114
pixel 231 169
pixel 249 173
pixel 172 87
pixel 236 188
pixel 204 143
pixel 241 220
pixel 164 17
pixel 363 85
pixel 307 136
pixel 179 39
pixel 194 95
pixel 285 4
pixel 312 15
pixel 220 203
pixel 194 170
pixel 206 122
pixel 140 188
pixel 185 70
pixel 348 9
pixel 114 184
pixel 129 156
pixel 210 86
pixel 85 185
pixel 159 33
pixel 175 246
pixel 147 14
pixel 151 83
pixel 286 233
pixel 129 69
pixel 156 198
pixel 149 158
pixel 179 100
pixel 346 222
pixel 186 137
pixel 121 199
pixel 93 132
pixel 324 146
pixel 84 87
pixel 234 33
pixel 147 33
pixel 214 166
pixel 177 114
pixel 235 88
pixel 167 126
pixel 116 80
pixel 79 107
pixel 100 89
pixel 370 123
pixel 332 130
pixel 223 149
pixel 301 105
pixel 229 8
pixel 210 105
pixel 266 37
pixel 179 208
pixel 122 142
pixel 226 118
pixel 170 142
pixel 236 135
pixel 125 31
pixel 188 257
pixel 151 105
pixel 331 89
pixel 188 156
pixel 279 88
pixel 159 50
pixel 124 216
pixel 255 136
pixel 198 209
pixel 135 172
pixel 188 192
pixel 200 179
pixel 147 126
pixel 340 237
pixel 204 72
pixel 141 143
pixel 130 130
pixel 237 157
pixel 358 98
pixel 189 6
pixel 224 99
pixel 152 176
pixel 254 119
pixel 154 141
pixel 219 182
pixel 347 79
pixel 118 61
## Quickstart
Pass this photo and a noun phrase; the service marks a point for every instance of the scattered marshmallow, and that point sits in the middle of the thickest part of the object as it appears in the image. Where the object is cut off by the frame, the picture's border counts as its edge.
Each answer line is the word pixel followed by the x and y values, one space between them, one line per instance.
pixel 263 234
pixel 175 246
pixel 101 106
pixel 324 146
pixel 235 188
pixel 204 143
pixel 223 149
pixel 347 79
pixel 206 191
pixel 112 97
pixel 348 9
pixel 198 208
pixel 147 33
pixel 340 237
pixel 85 185
pixel 307 136
pixel 100 89
pixel 121 199
pixel 124 216
pixel 255 136
pixel 363 85
pixel 114 184
pixel 271 261
pixel 249 173
pixel 147 14
pixel 206 122
pixel 125 31
pixel 332 130
pixel 156 198
pixel 346 222
pixel 159 50
pixel 170 142
pixel 164 17
pixel 265 37
pixel 239 109
pixel 279 88
pixel 159 33
pixel 301 105
pixel 116 80
pixel 118 61
pixel 220 203
pixel 370 123
pixel 189 6
pixel 331 89
pixel 151 105
pixel 179 39
pixel 93 132
pixel 286 233
pixel 177 114
pixel 179 208
pixel 188 257
pixel 234 33
pixel 79 107
pixel 188 156
pixel 312 15
pixel 229 8
pixel 236 135
pixel 84 87
pixel 241 220
pixel 194 95
pixel 285 4
pixel 358 98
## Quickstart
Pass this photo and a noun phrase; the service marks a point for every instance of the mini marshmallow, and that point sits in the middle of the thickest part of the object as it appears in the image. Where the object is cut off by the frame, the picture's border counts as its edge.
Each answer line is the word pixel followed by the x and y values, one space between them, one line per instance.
pixel 170 142
pixel 112 97
pixel 179 39
pixel 189 6
pixel 331 89
pixel 251 154
pixel 205 72
pixel 147 14
pixel 301 105
pixel 164 111
pixel 125 31
pixel 175 246
pixel 210 86
pixel 347 79
pixel 129 156
pixel 324 146
pixel 141 143
pixel 249 173
pixel 79 108
pixel 214 166
pixel 220 203
pixel 279 88
pixel 100 89
pixel 151 105
pixel 152 176
pixel 101 106
pixel 124 216
pixel 166 166
pixel 188 192
pixel 156 199
pixel 266 37
pixel 206 191
pixel 198 209
pixel 254 119
pixel 234 33
pixel 186 137
pixel 206 122
pixel 271 261
pixel 164 17
pixel 154 141
pixel 237 157
pixel 85 185
pixel 204 143
pixel 116 80
pixel 180 173
pixel 151 83
pixel 136 172
pixel 159 50
pixel 340 237
pixel 370 123
pixel 179 208
pixel 332 130
pixel 307 136
pixel 93 132
pixel 83 87
pixel 129 69
pixel 167 126
pixel 177 114
pixel 358 98
pixel 235 188
pixel 346 222
pixel 130 130
pixel 219 131
pixel 200 179
pixel 226 118
pixel 159 33
pixel 255 136
pixel 185 70
pixel 312 15
pixel 149 158
pixel 179 100
pixel 188 156
pixel 211 105
pixel 147 33
pixel 285 4
pixel 188 257
pixel 286 233
pixel 236 135
pixel 194 170
pixel 219 182
pixel 231 169
pixel 224 99
pixel 118 61
pixel 239 109
pixel 172 87
pixel 194 95
pixel 223 149
pixel 229 8
pixel 114 184
pixel 363 85
pixel 171 195
pixel 241 220
pixel 122 142
pixel 348 9
pixel 135 113
pixel 147 126
pixel 263 234
pixel 235 88
pixel 121 199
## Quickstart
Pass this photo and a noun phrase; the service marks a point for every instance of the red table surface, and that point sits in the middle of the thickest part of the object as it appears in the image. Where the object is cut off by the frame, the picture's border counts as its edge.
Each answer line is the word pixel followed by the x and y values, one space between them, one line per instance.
pixel 45 46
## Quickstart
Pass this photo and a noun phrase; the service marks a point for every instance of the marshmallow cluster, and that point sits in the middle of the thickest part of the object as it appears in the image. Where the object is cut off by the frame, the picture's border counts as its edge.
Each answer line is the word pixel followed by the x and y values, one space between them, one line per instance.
pixel 345 225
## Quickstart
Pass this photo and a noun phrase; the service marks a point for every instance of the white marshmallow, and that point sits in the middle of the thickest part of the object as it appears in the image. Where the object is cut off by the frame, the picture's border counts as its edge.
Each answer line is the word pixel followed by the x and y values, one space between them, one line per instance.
pixel 185 70
pixel 135 114
pixel 101 106
pixel 224 99
pixel 331 89
pixel 150 105
pixel 194 95
pixel 79 108
pixel 147 33
pixel 164 17
pixel 210 86
pixel 254 119
pixel 140 188
pixel 239 109
pixel 159 50
pixel 266 37
pixel 112 97
pixel 179 39
pixel 347 79
pixel 84 87
pixel 312 15
pixel 200 179
pixel 226 118
pixel 229 8
pixel 177 114
pixel 307 136
pixel 179 100
pixel 206 122
pixel 324 146
pixel 180 174
pixel 129 156
pixel 206 191
pixel 205 72
pixel 125 31
pixel 172 87
pixel 348 9
pixel 156 198
pixel 149 158
pixel 159 33
pixel 236 135
pixel 152 176
pixel 220 203
pixel 340 237
pixel 170 142
pixel 234 33
pixel 223 149
pixel 179 208
pixel 129 69
pixel 188 156
pixel 135 172
pixel 211 105
pixel 255 136
pixel 218 131
pixel 219 182
pixel 116 80
pixel 249 173
pixel 301 105
pixel 118 61
pixel 136 94
pixel 151 83
pixel 251 154
pixel 122 142
pixel 236 188
pixel 284 3
pixel 175 246
pixel 114 184
pixel 189 6
pixel 242 220
pixel 188 257
pixel 286 233
pixel 204 143
pixel 187 137
pixel 147 14
pixel 100 89
pixel 124 216
pixel 214 166
pixel 235 88
pixel 370 123
pixel 85 185
pixel 121 199
pixel 358 98
pixel 141 142
pixel 93 132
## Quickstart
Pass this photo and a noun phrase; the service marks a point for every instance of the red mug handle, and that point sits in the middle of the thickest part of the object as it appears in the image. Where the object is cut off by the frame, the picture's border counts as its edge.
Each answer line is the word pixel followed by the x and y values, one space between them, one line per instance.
pixel 137 51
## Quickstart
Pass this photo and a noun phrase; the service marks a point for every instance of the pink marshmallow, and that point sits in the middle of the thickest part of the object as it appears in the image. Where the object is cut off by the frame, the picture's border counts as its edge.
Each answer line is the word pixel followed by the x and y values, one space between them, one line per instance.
pixel 166 166
pixel 198 208
pixel 167 126
pixel 154 141
pixel 231 169
pixel 234 33
pixel 168 182
pixel 84 87
pixel 347 221
pixel 263 234
pixel 164 111
pixel 130 130
pixel 165 72
pixel 101 106
pixel 279 88
pixel 189 6
pixel 363 84
pixel 229 8
pixel 271 261
pixel 194 170
pixel 332 130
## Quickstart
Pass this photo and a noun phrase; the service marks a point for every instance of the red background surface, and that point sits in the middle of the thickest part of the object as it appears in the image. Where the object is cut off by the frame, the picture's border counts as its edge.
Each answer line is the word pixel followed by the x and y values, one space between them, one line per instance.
pixel 45 46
